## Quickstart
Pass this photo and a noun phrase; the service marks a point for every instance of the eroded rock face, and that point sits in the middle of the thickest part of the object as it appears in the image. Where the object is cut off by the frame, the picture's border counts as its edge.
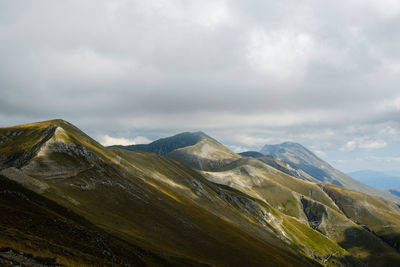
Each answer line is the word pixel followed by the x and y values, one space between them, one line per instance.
pixel 314 212
pixel 75 158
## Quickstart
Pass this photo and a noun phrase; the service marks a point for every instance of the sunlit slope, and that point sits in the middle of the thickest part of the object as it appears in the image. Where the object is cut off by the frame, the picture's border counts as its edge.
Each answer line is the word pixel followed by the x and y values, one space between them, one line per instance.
pixel 154 203
pixel 271 180
pixel 301 199
pixel 305 201
pixel 273 162
pixel 195 149
pixel 308 166
pixel 260 213
pixel 265 182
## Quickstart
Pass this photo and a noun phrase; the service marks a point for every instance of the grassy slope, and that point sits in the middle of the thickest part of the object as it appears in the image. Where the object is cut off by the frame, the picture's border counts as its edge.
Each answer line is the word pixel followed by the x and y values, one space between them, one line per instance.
pixel 195 149
pixel 207 154
pixel 305 240
pixel 36 225
pixel 262 181
pixel 312 168
pixel 378 215
pixel 285 192
pixel 117 195
pixel 143 199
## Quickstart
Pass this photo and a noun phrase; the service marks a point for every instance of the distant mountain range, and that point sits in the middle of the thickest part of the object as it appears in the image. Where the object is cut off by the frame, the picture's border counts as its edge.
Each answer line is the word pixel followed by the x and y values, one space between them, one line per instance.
pixel 376 179
pixel 184 200
pixel 310 167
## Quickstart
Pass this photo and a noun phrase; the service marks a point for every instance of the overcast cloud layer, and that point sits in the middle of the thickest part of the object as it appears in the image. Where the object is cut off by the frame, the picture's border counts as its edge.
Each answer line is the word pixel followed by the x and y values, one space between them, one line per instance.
pixel 323 73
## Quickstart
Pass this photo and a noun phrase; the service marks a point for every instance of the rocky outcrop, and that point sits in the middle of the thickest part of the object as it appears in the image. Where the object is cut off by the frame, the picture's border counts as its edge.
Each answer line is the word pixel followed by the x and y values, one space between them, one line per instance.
pixel 314 212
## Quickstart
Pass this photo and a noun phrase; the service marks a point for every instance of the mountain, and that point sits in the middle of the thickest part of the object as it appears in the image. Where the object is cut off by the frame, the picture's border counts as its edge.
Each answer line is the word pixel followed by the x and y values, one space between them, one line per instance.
pixel 36 231
pixel 162 211
pixel 252 154
pixel 269 180
pixel 68 200
pixel 377 215
pixel 394 191
pixel 309 167
pixel 310 204
pixel 164 146
pixel 271 161
pixel 376 179
pixel 195 149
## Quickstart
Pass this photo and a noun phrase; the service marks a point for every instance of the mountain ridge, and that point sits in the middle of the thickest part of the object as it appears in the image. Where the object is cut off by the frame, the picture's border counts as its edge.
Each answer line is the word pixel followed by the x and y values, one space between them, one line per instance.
pixel 311 167
pixel 79 174
pixel 264 178
pixel 237 210
pixel 195 149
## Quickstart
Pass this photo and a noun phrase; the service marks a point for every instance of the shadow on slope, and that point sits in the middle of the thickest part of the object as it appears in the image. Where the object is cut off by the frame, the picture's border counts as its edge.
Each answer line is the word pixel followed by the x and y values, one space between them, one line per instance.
pixel 156 204
pixel 42 232
pixel 373 255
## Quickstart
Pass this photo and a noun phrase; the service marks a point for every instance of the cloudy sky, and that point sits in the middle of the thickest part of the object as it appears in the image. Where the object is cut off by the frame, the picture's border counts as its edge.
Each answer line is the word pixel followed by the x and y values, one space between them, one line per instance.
pixel 322 73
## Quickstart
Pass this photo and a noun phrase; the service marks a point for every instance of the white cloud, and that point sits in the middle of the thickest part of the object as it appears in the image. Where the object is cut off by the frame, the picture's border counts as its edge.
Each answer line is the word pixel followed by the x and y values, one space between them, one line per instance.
pixel 320 153
pixel 389 104
pixel 396 103
pixel 238 149
pixel 384 159
pixel 387 8
pixel 314 72
pixel 363 143
pixel 349 146
pixel 251 141
pixel 373 145
pixel 280 54
pixel 107 140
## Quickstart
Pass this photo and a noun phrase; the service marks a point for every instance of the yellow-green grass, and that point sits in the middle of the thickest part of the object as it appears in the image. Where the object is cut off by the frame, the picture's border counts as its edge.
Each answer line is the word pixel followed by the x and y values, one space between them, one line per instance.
pixel 142 209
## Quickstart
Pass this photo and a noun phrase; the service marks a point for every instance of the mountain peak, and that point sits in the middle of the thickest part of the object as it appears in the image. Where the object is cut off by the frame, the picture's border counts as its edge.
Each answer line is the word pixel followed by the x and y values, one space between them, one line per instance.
pixel 166 145
pixel 291 144
pixel 21 143
pixel 310 167
pixel 195 149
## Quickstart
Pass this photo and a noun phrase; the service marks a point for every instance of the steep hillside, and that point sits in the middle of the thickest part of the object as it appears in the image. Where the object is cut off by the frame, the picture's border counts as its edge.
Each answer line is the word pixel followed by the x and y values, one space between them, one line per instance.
pixel 35 231
pixel 196 150
pixel 309 203
pixel 271 161
pixel 271 181
pixel 153 204
pixel 310 167
pixel 378 215
pixel 231 211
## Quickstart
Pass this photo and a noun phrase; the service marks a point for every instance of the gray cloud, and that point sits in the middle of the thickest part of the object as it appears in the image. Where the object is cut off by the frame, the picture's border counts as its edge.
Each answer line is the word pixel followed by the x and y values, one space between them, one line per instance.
pixel 248 73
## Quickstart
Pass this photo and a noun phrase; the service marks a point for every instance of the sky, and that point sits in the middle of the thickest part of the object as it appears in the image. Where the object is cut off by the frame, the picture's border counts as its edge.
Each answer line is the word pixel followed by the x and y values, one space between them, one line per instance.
pixel 325 74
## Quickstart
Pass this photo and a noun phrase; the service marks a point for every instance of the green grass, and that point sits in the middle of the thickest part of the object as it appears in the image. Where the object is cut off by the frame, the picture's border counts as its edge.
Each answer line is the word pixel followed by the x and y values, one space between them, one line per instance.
pixel 153 203
pixel 171 213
